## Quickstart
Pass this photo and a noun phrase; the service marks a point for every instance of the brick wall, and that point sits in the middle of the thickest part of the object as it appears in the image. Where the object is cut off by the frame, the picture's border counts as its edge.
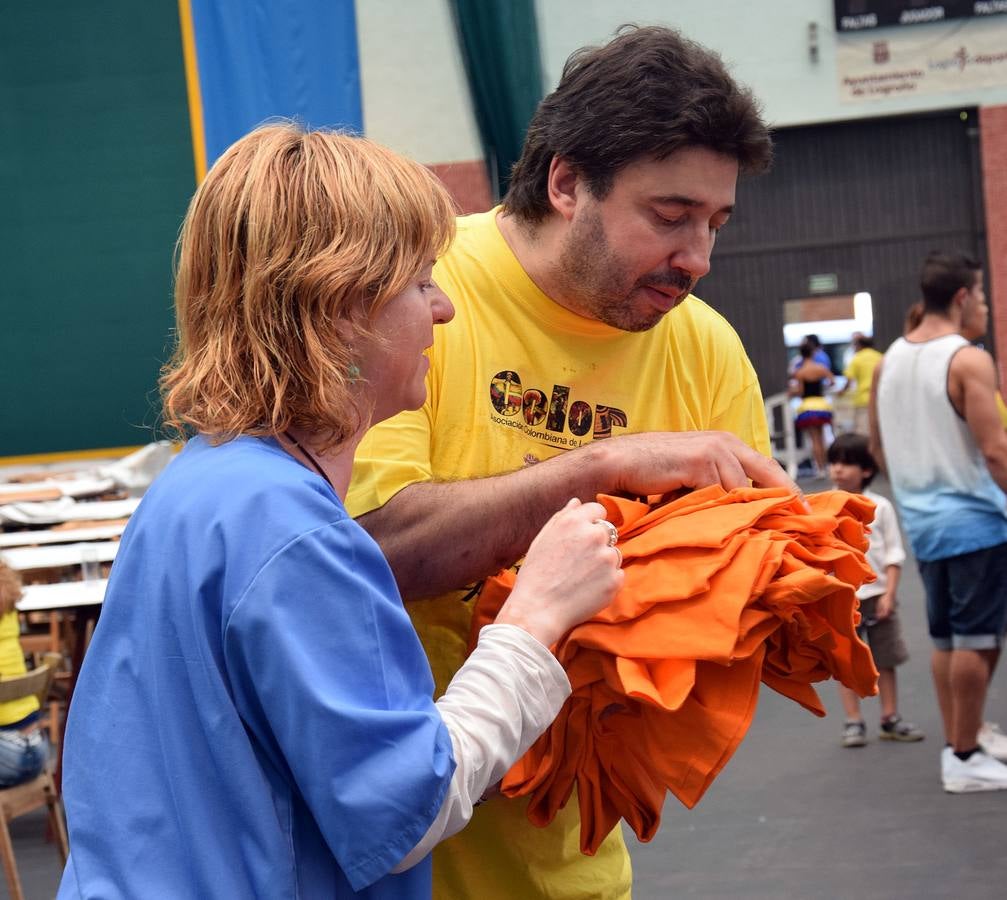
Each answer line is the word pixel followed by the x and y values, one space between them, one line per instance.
pixel 993 146
pixel 467 182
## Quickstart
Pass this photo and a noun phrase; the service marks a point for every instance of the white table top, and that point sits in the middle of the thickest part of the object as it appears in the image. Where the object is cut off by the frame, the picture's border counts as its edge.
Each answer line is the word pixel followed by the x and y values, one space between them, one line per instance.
pixel 63 595
pixel 48 536
pixel 58 555
pixel 66 509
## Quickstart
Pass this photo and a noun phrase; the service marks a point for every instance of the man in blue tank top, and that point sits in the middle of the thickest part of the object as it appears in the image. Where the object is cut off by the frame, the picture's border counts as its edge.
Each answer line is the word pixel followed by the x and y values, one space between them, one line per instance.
pixel 934 422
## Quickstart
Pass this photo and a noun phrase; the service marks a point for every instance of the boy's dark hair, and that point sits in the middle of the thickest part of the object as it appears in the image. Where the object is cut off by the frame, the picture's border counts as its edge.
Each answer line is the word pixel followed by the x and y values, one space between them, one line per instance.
pixel 647 93
pixel 944 274
pixel 851 448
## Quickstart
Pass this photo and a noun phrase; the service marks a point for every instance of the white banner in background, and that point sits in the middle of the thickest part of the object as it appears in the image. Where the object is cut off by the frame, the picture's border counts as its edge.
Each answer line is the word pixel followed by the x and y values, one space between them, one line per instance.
pixel 932 59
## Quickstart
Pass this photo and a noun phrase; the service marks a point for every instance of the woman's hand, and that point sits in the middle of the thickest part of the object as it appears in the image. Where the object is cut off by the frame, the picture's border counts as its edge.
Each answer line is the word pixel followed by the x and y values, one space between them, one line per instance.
pixel 571 571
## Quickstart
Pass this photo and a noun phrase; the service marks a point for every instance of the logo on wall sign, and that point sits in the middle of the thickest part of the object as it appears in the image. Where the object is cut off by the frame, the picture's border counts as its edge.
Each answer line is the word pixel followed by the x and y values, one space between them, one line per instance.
pixel 551 417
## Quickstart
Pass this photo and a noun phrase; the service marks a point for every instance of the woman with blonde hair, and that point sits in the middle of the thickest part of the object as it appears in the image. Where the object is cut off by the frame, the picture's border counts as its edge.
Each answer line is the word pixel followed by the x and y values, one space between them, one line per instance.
pixel 254 715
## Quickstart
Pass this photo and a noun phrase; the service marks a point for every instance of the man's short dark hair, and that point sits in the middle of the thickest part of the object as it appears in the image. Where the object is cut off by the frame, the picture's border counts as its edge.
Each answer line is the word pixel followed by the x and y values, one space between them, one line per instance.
pixel 863 342
pixel 851 448
pixel 647 93
pixel 944 274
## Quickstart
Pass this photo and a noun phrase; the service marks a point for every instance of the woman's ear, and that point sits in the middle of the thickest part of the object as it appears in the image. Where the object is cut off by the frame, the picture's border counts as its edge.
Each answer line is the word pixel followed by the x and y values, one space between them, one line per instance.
pixel 345 331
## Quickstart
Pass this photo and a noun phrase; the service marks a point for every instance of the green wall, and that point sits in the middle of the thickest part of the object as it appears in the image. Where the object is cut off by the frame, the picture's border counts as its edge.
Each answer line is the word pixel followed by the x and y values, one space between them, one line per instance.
pixel 95 172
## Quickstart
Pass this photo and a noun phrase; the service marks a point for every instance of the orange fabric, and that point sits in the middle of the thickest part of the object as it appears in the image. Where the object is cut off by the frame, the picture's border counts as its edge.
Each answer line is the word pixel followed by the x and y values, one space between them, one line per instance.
pixel 722 589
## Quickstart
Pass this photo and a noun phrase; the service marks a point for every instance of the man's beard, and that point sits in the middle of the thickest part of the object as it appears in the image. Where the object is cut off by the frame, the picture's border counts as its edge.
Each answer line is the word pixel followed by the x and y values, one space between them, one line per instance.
pixel 595 282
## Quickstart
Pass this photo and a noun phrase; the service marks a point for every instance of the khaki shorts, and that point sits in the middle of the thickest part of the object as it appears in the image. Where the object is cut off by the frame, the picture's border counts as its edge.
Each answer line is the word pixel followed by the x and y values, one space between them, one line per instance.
pixel 884 637
pixel 861 421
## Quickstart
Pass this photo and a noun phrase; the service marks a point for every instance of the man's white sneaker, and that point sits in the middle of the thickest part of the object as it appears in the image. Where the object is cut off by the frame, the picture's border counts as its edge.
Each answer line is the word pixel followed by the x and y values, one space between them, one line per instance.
pixel 947 754
pixel 979 772
pixel 993 741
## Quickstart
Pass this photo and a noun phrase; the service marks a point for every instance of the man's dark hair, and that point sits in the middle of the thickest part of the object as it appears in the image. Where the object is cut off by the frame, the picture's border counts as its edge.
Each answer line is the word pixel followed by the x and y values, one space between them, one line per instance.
pixel 812 340
pixel 851 448
pixel 944 274
pixel 647 93
pixel 863 342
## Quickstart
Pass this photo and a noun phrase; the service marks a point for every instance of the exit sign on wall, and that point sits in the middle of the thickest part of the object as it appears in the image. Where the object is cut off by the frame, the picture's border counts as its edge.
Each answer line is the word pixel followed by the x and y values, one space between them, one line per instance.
pixel 823 284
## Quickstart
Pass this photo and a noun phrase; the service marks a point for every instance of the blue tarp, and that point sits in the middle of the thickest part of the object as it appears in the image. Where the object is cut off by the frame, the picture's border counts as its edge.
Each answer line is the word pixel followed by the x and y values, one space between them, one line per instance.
pixel 259 59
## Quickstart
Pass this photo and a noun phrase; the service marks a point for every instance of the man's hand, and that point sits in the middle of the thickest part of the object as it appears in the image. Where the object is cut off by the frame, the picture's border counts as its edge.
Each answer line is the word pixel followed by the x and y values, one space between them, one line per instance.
pixel 659 462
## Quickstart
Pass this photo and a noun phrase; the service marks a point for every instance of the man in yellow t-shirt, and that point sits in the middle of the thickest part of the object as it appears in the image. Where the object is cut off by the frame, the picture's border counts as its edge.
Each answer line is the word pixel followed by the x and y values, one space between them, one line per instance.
pixel 860 372
pixel 578 362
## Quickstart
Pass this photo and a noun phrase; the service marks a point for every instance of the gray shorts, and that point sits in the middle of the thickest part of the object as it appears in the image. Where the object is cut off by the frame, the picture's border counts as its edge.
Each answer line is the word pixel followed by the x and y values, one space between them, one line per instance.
pixel 883 636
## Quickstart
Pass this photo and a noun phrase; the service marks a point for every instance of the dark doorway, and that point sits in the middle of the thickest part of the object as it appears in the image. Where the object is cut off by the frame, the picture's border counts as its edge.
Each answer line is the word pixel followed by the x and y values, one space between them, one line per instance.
pixel 850 207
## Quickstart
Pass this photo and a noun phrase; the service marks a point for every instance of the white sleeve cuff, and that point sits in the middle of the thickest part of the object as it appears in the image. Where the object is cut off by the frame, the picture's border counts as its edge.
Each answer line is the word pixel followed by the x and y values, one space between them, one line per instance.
pixel 498 703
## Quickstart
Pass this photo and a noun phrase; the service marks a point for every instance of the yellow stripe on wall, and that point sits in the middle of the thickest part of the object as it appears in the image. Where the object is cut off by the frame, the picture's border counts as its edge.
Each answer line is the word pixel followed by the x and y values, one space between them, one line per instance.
pixel 192 87
pixel 39 459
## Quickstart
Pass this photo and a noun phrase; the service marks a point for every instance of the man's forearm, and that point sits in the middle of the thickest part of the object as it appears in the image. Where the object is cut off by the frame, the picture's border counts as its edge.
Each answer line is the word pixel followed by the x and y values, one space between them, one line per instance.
pixel 996 462
pixel 439 536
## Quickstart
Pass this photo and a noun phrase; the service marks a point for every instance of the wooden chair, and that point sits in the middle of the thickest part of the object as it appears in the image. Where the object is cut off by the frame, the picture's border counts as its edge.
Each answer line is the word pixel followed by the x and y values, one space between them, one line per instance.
pixel 40 791
pixel 52 642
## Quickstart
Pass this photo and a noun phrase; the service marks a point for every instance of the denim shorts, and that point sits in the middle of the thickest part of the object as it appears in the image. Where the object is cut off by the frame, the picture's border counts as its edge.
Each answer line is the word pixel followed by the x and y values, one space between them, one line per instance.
pixel 23 755
pixel 967 599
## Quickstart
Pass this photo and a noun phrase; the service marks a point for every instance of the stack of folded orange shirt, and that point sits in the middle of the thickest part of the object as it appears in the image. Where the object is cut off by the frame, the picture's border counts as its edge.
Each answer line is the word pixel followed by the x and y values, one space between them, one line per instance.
pixel 722 589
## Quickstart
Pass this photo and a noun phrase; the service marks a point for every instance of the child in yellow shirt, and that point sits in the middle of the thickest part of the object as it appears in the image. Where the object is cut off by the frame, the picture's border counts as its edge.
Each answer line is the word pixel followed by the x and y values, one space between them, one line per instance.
pixel 23 747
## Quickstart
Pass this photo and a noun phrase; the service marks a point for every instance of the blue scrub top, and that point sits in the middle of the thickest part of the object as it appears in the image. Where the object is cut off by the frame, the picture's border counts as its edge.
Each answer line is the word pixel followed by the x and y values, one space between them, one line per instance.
pixel 254 714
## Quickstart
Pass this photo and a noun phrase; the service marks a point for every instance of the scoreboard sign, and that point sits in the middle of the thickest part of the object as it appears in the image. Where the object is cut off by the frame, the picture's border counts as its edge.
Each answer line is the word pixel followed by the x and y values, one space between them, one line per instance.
pixel 863 15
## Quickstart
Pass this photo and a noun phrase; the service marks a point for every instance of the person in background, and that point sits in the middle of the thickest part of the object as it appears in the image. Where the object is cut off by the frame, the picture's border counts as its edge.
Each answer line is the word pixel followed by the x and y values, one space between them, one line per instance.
pixel 808 381
pixel 851 469
pixel 580 363
pixel 254 717
pixel 860 373
pixel 936 429
pixel 973 329
pixel 914 315
pixel 818 353
pixel 24 749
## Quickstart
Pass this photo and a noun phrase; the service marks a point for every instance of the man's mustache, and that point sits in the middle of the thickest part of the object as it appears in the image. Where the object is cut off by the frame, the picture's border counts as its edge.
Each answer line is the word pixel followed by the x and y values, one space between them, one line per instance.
pixel 677 279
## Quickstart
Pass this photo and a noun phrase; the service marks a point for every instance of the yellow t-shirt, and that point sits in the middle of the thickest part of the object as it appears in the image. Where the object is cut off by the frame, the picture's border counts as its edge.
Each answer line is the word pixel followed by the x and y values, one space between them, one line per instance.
pixel 861 370
pixel 11 665
pixel 1001 408
pixel 515 379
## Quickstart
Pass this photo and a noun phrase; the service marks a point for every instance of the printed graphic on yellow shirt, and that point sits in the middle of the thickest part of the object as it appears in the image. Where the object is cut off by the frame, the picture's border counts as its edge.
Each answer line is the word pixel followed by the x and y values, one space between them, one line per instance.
pixel 550 418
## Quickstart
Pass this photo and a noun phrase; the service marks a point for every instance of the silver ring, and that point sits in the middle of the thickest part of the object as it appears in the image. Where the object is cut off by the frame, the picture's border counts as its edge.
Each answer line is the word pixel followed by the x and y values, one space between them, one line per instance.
pixel 617 550
pixel 613 533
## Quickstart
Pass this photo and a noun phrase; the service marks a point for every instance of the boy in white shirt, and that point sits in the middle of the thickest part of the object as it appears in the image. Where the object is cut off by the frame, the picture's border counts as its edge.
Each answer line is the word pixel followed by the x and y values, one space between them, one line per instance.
pixel 851 468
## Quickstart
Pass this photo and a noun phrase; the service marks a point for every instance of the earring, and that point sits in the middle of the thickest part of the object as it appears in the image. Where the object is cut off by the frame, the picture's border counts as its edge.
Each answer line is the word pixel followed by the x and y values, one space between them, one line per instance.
pixel 353 372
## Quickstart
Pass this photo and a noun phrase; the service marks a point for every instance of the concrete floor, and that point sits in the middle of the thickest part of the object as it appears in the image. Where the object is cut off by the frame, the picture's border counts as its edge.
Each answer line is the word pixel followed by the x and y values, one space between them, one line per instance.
pixel 795 815
pixel 37 859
